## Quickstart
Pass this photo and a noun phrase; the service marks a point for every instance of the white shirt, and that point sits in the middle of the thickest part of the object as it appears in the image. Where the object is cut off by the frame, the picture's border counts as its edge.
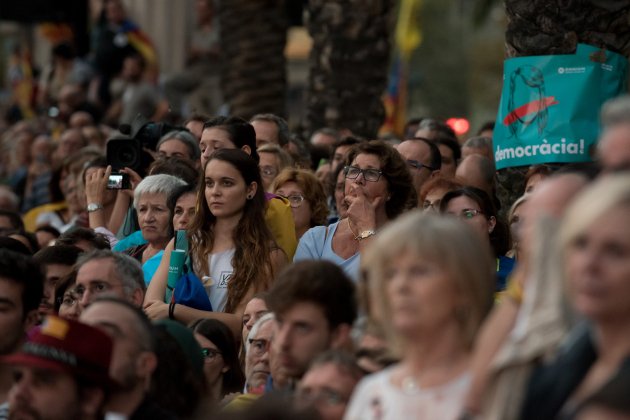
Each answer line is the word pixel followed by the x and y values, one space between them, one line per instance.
pixel 377 398
pixel 220 268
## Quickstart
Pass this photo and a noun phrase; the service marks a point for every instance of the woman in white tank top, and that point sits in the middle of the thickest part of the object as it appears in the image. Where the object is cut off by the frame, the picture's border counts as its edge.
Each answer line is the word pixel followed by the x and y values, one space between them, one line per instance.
pixel 231 248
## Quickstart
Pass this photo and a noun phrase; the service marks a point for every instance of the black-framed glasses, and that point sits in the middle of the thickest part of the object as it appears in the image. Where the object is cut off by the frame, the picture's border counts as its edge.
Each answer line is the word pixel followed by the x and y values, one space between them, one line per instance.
pixel 210 354
pixel 418 165
pixel 353 172
pixel 295 200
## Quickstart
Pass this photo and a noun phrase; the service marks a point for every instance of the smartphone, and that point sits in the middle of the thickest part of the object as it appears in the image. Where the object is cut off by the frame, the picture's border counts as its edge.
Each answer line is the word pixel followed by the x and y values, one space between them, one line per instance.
pixel 118 181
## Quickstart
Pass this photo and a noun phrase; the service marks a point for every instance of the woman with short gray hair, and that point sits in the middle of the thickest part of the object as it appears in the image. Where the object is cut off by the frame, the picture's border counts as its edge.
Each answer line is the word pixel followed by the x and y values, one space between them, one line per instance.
pixel 154 217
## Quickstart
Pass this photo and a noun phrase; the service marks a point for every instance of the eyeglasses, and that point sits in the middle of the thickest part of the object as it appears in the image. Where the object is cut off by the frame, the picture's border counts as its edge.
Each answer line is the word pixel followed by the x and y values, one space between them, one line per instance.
pixel 95 288
pixel 325 395
pixel 268 171
pixel 418 165
pixel 210 354
pixel 468 214
pixel 259 346
pixel 352 172
pixel 294 199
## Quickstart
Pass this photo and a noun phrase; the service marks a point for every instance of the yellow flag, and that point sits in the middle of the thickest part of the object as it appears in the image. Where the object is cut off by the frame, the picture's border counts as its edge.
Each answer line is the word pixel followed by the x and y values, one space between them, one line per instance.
pixel 408 33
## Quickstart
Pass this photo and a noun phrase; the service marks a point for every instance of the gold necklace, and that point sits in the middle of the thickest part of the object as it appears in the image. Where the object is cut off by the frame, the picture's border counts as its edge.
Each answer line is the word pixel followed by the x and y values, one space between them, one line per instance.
pixel 356 237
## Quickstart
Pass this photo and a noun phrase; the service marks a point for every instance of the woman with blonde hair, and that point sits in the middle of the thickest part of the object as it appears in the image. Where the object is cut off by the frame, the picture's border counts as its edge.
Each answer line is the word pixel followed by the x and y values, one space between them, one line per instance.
pixel 594 244
pixel 307 197
pixel 430 280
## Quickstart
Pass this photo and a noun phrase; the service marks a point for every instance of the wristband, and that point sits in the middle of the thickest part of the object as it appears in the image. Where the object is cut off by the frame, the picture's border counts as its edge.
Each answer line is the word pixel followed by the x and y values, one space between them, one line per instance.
pixel 171 310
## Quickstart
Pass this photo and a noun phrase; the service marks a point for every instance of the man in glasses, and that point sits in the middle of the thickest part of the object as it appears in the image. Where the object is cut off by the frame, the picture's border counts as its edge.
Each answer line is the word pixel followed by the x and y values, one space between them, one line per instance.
pixel 423 160
pixel 104 272
pixel 257 367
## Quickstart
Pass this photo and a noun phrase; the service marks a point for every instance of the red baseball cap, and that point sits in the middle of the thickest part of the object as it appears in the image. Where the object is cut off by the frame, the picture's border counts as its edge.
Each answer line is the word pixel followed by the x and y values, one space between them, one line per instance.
pixel 67 346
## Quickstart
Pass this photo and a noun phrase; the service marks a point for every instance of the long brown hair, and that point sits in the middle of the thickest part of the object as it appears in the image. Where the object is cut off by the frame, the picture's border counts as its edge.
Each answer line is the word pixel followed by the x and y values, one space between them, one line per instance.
pixel 252 239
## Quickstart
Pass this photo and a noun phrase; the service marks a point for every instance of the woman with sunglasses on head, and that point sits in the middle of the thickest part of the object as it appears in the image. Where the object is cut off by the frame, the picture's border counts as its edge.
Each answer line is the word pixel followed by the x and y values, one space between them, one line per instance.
pixel 378 188
pixel 474 206
pixel 231 249
pixel 306 195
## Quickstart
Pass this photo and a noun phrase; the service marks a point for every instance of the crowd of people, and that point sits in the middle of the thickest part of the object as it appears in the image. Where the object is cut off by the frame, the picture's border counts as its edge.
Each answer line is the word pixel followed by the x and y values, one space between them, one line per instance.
pixel 239 271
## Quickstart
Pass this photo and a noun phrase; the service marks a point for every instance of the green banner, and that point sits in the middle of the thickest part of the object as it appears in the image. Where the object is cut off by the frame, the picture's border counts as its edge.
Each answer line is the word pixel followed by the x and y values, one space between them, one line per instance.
pixel 549 111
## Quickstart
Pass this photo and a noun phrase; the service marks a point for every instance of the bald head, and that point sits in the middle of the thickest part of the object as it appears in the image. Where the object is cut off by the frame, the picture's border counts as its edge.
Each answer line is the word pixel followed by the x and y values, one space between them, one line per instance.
pixel 477 171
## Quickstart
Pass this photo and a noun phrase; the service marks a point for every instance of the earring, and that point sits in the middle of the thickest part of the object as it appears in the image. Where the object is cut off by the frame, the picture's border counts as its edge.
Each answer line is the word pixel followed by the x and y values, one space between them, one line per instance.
pixel 249 197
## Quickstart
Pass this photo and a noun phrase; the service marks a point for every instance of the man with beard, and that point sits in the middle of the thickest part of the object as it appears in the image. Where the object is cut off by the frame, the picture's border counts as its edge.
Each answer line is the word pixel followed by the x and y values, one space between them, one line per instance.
pixel 133 360
pixel 314 306
pixel 21 284
pixel 60 373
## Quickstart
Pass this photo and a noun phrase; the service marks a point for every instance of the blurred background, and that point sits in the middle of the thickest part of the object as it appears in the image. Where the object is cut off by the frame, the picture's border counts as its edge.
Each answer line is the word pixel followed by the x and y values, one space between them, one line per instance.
pixel 317 63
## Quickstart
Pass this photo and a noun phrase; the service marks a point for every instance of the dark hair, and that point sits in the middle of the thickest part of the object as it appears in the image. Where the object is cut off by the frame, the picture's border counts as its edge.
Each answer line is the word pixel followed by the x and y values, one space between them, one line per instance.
pixel 77 234
pixel 58 254
pixel 252 238
pixel 175 195
pixel 452 144
pixel 240 131
pixel 48 229
pixel 97 162
pixel 395 171
pixel 500 236
pixel 333 180
pixel 488 125
pixel 14 245
pixel 222 337
pixel 25 271
pixel 319 282
pixel 435 161
pixel 33 244
pixel 62 286
pixel 182 168
pixel 56 194
pixel 347 141
pixel 14 218
pixel 283 127
pixel 175 386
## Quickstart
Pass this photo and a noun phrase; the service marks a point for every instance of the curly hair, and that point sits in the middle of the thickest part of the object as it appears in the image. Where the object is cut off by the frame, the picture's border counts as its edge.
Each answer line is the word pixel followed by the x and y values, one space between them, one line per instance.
pixel 252 239
pixel 313 192
pixel 395 171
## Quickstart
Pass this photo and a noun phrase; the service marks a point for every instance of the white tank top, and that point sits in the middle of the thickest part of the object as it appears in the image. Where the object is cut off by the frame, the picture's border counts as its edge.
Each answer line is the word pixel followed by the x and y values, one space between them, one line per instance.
pixel 220 267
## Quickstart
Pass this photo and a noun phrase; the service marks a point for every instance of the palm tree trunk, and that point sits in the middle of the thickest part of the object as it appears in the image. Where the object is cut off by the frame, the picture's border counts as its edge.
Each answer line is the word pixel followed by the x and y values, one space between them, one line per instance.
pixel 348 64
pixel 253 73
pixel 543 27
